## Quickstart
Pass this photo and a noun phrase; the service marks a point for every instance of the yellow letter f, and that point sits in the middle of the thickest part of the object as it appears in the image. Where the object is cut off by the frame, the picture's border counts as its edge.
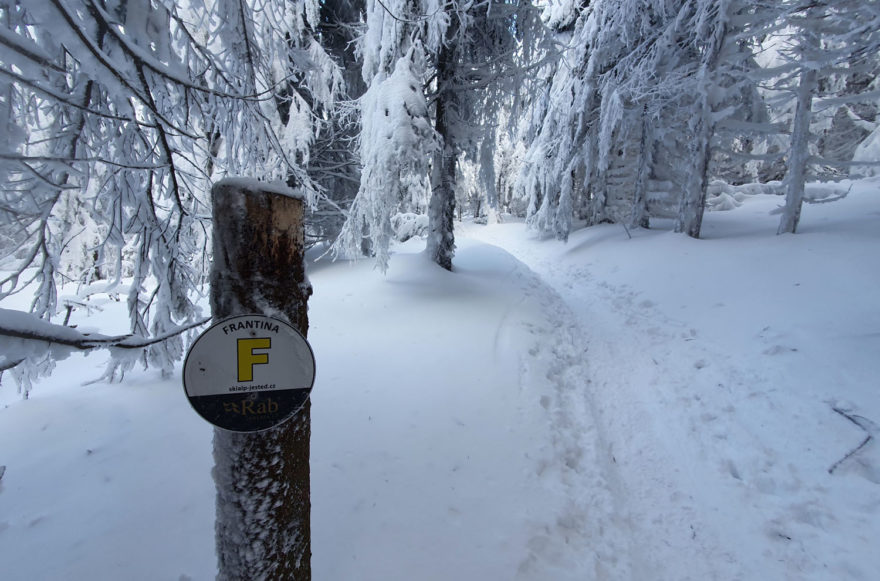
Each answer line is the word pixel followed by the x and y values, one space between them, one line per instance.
pixel 247 358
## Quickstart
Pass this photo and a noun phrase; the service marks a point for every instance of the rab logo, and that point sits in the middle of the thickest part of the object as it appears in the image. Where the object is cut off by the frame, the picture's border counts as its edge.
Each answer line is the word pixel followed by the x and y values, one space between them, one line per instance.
pixel 250 408
pixel 247 358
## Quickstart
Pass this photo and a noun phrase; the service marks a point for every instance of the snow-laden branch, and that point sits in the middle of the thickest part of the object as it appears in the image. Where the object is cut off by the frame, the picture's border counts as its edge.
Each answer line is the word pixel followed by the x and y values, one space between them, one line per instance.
pixel 21 326
pixel 28 49
pixel 101 58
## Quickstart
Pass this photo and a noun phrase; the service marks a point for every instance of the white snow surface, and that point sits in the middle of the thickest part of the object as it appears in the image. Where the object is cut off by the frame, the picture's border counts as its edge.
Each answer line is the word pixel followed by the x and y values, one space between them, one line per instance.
pixel 653 407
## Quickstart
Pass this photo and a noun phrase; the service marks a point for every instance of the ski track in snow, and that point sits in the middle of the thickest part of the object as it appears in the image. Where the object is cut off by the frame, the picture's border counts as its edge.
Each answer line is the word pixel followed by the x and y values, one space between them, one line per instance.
pixel 588 537
pixel 720 467
pixel 665 520
pixel 592 362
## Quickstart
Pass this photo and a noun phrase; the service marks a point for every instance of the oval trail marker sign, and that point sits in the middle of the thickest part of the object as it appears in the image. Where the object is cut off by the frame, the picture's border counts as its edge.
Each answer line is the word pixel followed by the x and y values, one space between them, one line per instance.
pixel 249 373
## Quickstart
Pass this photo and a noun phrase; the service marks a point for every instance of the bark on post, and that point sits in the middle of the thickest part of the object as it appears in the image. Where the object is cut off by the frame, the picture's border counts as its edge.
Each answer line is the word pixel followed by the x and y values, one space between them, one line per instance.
pixel 262 479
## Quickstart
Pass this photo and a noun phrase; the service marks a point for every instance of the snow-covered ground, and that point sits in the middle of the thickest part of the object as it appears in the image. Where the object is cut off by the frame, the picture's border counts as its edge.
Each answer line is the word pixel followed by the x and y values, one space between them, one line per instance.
pixel 644 408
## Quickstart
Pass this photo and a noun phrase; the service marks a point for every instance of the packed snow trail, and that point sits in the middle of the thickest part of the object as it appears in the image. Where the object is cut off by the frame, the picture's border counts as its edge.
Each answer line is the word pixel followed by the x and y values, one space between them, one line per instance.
pixel 464 449
pixel 652 494
pixel 723 371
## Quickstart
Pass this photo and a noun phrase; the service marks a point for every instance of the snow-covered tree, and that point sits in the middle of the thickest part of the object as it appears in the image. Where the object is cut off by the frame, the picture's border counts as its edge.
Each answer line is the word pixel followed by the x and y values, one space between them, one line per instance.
pixel 831 47
pixel 396 139
pixel 395 145
pixel 458 56
pixel 334 161
pixel 711 33
pixel 631 116
pixel 486 48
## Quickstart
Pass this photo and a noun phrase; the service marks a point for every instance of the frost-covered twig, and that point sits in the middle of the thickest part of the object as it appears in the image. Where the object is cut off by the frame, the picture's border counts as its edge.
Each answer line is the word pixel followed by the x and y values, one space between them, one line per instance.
pixel 828 199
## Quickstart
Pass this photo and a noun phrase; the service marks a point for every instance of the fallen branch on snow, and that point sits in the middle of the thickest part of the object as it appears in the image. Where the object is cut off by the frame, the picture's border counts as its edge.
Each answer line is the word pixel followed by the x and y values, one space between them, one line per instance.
pixel 865 424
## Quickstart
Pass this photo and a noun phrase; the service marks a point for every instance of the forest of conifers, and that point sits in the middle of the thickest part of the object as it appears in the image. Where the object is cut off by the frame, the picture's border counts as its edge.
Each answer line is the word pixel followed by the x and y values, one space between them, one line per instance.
pixel 396 117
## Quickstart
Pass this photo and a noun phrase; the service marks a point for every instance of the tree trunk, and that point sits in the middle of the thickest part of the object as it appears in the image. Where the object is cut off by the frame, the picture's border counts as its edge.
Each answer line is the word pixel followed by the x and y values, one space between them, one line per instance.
pixel 693 200
pixel 598 186
pixel 262 478
pixel 639 216
pixel 441 210
pixel 798 154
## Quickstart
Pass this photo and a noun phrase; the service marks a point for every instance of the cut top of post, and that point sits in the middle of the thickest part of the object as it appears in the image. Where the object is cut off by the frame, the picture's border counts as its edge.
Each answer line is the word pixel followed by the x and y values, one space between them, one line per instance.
pixel 254 186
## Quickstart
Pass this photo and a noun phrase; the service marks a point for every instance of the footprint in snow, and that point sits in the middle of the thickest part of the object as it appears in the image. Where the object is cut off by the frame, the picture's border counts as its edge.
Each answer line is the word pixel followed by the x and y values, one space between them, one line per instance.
pixel 779 350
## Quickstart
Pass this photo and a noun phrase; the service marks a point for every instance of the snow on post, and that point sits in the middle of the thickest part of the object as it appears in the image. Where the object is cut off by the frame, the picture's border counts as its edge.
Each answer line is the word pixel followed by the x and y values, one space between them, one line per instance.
pixel 262 478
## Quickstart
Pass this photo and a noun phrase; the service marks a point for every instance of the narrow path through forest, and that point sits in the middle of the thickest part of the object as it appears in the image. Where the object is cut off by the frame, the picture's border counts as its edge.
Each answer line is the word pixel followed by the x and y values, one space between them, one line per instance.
pixel 606 338
pixel 481 459
pixel 711 391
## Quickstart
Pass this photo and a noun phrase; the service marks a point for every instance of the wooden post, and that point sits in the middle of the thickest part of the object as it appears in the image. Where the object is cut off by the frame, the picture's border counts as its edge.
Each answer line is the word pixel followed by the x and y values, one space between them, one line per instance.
pixel 262 478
